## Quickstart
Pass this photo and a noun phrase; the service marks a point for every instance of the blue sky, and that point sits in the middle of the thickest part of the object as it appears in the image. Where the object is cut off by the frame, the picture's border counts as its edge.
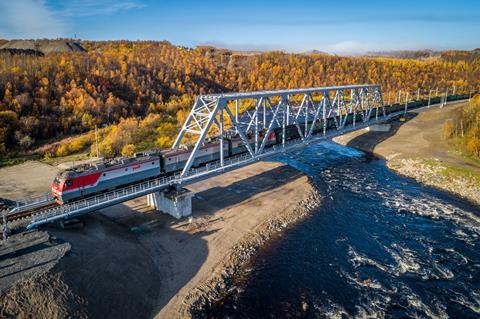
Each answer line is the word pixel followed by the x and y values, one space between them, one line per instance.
pixel 343 27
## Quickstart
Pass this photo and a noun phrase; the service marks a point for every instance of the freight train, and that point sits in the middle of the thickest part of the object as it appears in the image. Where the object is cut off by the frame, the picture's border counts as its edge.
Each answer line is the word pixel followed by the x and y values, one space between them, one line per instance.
pixel 93 178
pixel 89 179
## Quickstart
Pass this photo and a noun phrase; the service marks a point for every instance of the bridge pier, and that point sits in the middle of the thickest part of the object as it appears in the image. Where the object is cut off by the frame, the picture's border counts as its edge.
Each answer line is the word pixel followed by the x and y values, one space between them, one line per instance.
pixel 382 127
pixel 175 202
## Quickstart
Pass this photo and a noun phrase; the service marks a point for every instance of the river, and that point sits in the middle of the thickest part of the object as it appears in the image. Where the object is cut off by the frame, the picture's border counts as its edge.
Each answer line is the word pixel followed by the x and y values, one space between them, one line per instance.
pixel 379 245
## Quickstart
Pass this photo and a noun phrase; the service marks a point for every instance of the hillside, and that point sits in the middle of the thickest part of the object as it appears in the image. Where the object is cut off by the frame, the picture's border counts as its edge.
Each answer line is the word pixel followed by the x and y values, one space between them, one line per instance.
pixel 448 55
pixel 406 54
pixel 115 83
pixel 42 46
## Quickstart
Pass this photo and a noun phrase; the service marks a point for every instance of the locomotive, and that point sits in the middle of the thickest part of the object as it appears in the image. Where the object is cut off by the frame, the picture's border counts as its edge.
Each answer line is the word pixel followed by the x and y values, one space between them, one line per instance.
pixel 94 178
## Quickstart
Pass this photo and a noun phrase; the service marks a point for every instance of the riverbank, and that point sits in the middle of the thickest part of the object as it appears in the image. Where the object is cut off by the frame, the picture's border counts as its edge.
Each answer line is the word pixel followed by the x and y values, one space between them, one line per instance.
pixel 131 261
pixel 416 149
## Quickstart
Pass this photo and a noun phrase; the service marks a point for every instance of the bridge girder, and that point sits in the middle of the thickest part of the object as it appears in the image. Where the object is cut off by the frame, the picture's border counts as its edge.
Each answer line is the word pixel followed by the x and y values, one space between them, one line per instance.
pixel 266 110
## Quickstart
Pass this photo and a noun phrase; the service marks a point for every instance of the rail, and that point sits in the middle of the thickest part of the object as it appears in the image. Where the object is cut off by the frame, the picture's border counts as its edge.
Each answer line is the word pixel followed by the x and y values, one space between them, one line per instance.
pixel 32 203
pixel 111 198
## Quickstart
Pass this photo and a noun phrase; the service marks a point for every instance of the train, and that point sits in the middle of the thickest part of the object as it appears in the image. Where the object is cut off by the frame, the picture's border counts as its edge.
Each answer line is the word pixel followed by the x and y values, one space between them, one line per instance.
pixel 94 178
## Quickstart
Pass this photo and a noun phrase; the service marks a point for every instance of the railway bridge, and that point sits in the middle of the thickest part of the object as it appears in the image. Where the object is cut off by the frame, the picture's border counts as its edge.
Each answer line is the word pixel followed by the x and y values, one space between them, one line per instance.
pixel 315 114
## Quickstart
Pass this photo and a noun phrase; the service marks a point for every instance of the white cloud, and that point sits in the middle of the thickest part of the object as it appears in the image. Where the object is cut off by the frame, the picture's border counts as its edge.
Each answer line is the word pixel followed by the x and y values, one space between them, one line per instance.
pixel 29 19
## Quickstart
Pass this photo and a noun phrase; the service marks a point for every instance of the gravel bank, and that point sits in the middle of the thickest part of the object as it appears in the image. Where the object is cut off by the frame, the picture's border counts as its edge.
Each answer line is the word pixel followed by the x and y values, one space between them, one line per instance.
pixel 436 175
pixel 131 261
pixel 239 257
pixel 416 149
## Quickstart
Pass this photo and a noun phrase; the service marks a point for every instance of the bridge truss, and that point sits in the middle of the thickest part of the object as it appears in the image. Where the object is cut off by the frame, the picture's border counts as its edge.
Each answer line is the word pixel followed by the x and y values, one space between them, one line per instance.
pixel 252 114
pixel 266 110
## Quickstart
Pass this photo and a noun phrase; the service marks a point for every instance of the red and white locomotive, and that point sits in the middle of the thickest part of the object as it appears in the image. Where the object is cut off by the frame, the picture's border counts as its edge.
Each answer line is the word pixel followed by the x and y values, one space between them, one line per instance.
pixel 94 178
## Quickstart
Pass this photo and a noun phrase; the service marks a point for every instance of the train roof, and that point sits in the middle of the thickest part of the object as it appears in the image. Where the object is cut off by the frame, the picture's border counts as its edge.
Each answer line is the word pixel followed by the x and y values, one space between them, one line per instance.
pixel 105 164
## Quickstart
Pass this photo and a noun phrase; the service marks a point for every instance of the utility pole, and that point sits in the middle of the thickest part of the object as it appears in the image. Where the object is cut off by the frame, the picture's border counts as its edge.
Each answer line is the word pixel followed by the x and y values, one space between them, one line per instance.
pixel 446 97
pixel 406 104
pixel 418 94
pixel 265 113
pixel 221 138
pixel 236 115
pixel 429 94
pixel 4 226
pixel 96 140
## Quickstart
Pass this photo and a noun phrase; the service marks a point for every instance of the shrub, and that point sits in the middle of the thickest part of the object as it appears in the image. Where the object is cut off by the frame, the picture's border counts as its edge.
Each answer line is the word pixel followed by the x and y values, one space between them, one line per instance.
pixel 128 150
pixel 448 129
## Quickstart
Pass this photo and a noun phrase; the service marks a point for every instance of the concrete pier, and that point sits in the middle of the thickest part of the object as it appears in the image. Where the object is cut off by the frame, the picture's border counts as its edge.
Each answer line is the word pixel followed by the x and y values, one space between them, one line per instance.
pixel 177 203
pixel 379 128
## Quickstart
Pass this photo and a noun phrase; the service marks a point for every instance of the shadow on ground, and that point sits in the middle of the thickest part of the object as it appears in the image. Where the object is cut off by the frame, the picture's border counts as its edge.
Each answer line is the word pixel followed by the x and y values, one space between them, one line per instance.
pixel 130 263
pixel 367 141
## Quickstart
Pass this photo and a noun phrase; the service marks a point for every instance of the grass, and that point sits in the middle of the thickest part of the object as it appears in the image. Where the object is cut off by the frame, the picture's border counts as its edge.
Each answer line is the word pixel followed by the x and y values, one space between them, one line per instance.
pixel 454 171
pixel 69 158
pixel 19 159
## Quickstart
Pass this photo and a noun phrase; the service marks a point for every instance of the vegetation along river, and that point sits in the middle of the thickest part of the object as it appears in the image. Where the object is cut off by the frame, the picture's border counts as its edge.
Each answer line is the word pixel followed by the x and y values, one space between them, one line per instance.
pixel 379 245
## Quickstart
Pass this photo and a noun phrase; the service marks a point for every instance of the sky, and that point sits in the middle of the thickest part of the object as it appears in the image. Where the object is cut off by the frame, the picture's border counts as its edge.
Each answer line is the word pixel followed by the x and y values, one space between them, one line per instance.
pixel 341 27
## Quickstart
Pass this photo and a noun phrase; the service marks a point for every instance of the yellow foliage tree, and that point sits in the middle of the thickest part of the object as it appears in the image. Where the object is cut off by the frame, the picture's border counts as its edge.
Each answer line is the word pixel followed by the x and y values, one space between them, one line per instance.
pixel 128 150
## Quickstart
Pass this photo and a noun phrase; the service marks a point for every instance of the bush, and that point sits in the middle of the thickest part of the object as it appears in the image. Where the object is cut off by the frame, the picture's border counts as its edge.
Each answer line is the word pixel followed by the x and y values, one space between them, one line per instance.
pixel 128 150
pixel 448 129
pixel 62 150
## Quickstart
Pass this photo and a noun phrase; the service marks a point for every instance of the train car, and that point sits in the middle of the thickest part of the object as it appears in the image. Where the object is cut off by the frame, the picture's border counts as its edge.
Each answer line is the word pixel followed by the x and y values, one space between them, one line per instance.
pixel 237 146
pixel 175 160
pixel 98 177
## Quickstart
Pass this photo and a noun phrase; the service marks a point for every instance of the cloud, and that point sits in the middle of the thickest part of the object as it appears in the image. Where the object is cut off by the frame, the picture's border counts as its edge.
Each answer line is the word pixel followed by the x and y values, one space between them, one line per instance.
pixel 29 19
pixel 351 47
pixel 83 8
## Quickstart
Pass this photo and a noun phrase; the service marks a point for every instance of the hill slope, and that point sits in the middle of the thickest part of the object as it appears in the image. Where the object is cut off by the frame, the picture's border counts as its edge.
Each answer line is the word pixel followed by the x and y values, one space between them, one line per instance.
pixel 43 46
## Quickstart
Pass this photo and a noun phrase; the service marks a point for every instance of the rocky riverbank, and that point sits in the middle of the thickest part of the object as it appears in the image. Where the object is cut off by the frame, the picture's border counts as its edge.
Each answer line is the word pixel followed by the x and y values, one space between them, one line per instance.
pixel 132 261
pixel 236 263
pixel 440 176
pixel 416 148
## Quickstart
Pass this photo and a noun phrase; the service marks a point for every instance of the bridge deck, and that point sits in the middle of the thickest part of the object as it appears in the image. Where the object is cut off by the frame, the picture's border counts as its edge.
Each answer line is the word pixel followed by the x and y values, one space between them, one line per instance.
pixel 97 202
pixel 359 103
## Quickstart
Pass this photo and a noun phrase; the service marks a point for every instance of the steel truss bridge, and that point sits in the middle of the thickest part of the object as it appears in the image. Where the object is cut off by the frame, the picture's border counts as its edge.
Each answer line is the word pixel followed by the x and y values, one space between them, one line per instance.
pixel 251 113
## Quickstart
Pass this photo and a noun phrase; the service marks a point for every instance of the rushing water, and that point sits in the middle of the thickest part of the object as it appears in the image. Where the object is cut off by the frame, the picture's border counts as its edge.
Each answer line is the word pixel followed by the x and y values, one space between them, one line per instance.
pixel 379 245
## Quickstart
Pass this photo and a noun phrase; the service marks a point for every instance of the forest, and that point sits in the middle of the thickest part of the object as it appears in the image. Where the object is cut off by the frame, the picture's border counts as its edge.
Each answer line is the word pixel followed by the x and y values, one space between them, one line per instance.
pixel 464 129
pixel 139 93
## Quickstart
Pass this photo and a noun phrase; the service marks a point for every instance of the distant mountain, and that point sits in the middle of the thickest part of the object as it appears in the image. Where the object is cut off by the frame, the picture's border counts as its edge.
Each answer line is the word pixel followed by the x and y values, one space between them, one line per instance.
pixel 448 55
pixel 406 54
pixel 315 52
pixel 41 47
pixel 455 56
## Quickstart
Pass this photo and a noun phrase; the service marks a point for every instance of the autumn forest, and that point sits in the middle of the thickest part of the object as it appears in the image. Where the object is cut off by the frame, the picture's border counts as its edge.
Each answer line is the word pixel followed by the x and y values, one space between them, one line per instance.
pixel 139 93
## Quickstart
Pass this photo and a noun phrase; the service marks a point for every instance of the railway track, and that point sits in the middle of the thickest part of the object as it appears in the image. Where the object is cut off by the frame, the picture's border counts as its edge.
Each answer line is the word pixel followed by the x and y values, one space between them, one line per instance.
pixel 10 217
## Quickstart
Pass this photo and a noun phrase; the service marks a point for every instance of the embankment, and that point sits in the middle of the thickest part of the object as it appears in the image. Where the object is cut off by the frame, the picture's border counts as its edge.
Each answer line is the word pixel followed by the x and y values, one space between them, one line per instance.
pixel 416 148
pixel 130 261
